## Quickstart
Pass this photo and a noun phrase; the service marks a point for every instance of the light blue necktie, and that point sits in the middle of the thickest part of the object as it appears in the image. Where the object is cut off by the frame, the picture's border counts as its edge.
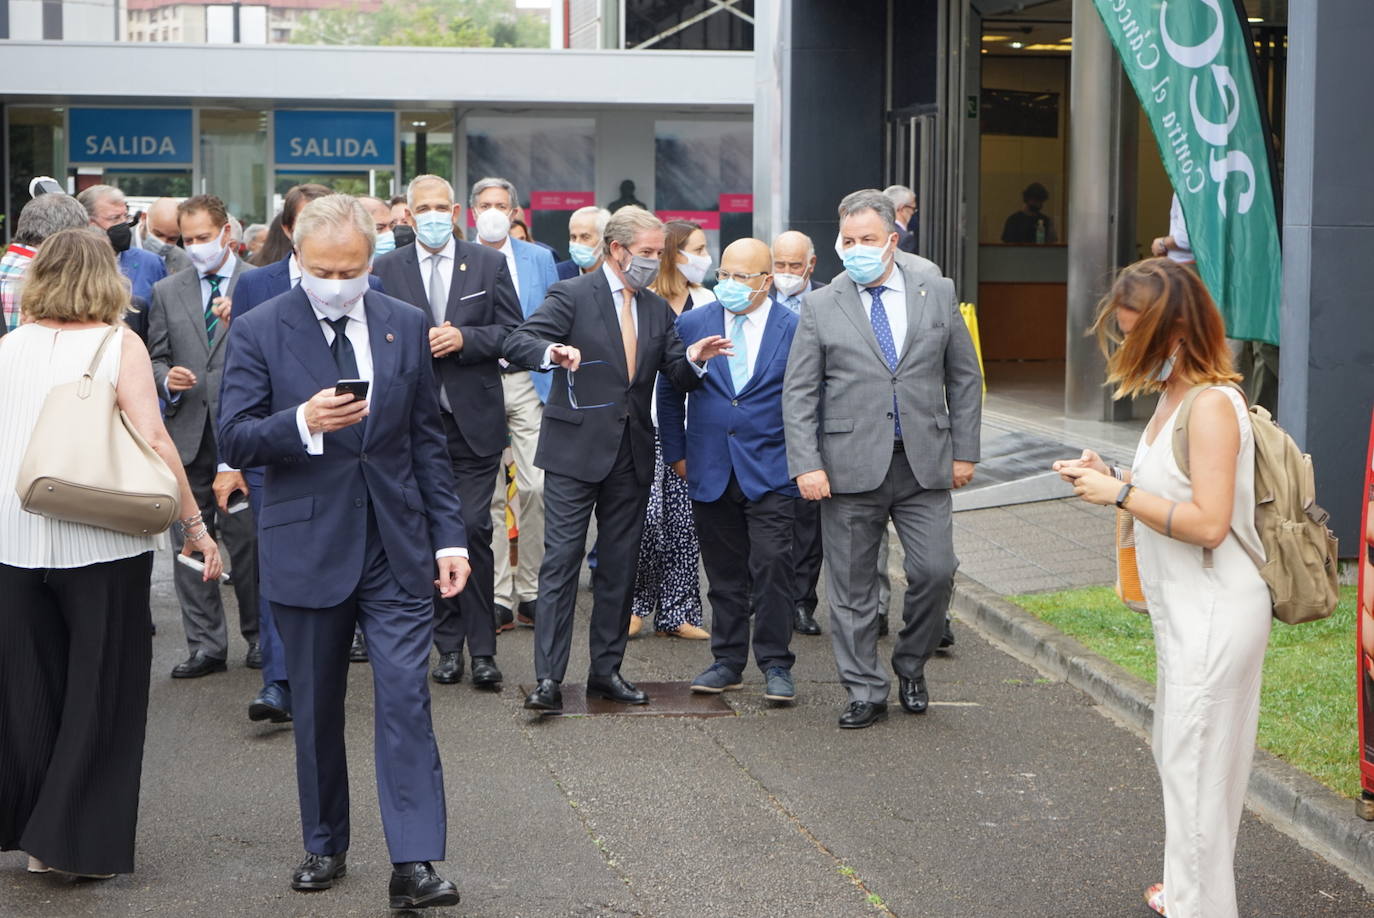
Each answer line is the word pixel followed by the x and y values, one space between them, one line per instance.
pixel 739 363
pixel 883 332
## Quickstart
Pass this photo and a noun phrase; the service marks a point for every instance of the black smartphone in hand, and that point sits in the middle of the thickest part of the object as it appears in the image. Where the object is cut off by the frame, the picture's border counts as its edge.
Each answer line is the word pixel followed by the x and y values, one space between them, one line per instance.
pixel 355 387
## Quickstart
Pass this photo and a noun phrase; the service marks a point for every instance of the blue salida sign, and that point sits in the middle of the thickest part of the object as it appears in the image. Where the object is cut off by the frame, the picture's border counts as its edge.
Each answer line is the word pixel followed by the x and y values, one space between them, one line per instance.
pixel 340 140
pixel 129 136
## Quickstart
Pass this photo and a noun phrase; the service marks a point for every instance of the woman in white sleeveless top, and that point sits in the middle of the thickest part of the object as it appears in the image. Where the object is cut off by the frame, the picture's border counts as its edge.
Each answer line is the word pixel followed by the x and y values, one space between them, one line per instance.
pixel 75 623
pixel 1196 541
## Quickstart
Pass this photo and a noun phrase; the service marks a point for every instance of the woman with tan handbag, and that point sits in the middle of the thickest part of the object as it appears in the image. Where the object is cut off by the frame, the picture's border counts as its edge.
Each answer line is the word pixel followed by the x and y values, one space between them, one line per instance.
pixel 75 622
pixel 1196 543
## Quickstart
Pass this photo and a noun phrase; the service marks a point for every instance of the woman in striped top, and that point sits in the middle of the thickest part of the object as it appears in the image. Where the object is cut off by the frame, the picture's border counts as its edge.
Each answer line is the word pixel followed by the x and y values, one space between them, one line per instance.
pixel 75 625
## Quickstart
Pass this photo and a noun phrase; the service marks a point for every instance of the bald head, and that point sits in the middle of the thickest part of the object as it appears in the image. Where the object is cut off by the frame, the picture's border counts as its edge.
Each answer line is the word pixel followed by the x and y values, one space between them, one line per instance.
pixel 745 257
pixel 379 211
pixel 161 221
pixel 794 254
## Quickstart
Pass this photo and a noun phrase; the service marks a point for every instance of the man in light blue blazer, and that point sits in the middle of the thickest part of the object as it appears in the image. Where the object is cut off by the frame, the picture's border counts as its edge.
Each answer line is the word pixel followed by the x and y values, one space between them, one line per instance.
pixel 493 200
pixel 734 457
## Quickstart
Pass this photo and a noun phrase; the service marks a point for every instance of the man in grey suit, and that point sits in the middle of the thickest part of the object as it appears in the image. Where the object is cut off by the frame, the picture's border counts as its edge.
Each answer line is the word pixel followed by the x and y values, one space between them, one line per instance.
pixel 187 331
pixel 883 404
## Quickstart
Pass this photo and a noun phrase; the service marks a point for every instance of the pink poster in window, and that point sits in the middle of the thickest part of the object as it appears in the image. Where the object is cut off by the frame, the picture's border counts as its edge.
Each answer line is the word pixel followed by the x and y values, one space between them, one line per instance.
pixel 706 219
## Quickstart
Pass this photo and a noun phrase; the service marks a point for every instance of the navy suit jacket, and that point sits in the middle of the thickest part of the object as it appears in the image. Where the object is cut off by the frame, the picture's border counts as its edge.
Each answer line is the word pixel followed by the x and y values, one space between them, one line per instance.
pixel 729 431
pixel 483 306
pixel 313 526
pixel 567 270
pixel 582 442
pixel 258 285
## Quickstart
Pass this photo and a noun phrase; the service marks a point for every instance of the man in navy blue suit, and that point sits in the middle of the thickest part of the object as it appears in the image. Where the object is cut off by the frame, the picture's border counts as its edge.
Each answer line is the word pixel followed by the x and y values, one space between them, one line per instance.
pixel 465 293
pixel 273 701
pixel 734 458
pixel 586 226
pixel 358 511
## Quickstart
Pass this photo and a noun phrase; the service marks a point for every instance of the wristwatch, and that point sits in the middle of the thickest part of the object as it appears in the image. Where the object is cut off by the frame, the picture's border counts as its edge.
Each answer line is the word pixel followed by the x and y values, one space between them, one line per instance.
pixel 1124 495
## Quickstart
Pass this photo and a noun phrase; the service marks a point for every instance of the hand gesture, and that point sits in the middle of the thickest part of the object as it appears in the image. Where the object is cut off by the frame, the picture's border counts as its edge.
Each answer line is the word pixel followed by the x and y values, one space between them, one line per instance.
pixel 225 484
pixel 221 308
pixel 445 340
pixel 1092 485
pixel 179 379
pixel 327 412
pixel 453 576
pixel 1089 460
pixel 209 551
pixel 708 347
pixel 814 485
pixel 565 356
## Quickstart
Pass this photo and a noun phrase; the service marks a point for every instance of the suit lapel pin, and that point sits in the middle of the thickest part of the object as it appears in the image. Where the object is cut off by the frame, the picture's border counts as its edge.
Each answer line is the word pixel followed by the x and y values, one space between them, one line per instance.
pixel 390 337
pixel 463 266
pixel 923 293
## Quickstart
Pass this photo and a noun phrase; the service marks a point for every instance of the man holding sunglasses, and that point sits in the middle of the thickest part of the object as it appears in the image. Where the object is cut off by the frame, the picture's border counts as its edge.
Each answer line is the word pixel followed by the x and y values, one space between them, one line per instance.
pixel 606 336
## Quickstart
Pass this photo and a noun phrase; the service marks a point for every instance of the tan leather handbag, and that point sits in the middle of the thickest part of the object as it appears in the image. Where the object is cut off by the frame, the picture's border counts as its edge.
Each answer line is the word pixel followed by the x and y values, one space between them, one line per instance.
pixel 86 463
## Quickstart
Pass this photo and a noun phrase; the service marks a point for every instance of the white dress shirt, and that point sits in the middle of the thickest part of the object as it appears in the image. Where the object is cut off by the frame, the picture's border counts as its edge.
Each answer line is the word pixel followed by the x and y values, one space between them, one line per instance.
pixel 358 336
pixel 445 258
pixel 1182 251
pixel 894 304
pixel 754 324
pixel 508 249
pixel 293 270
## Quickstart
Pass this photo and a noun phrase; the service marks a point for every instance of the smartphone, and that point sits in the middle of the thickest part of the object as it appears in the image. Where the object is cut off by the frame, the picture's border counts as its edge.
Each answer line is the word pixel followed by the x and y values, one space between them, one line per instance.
pixel 238 502
pixel 355 387
pixel 199 566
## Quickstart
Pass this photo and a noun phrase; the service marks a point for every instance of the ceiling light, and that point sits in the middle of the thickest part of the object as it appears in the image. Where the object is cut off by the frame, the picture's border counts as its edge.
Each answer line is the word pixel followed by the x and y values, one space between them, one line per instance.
pixel 996 37
pixel 1255 19
pixel 419 124
pixel 1017 44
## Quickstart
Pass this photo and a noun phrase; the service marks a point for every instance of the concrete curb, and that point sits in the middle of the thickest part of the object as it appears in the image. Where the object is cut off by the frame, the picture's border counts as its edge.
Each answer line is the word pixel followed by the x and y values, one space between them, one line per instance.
pixel 1295 803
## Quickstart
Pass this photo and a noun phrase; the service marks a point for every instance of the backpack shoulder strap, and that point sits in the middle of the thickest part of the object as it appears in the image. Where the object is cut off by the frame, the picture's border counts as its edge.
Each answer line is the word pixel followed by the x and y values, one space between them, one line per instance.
pixel 1180 433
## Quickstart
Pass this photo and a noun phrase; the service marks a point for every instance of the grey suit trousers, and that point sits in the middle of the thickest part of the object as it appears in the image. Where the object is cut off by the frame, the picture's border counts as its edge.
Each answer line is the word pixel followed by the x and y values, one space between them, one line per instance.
pixel 202 609
pixel 853 526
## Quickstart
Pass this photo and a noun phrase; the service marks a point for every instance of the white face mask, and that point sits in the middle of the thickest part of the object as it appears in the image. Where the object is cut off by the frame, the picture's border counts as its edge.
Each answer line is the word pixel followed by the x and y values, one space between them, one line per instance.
pixel 333 296
pixel 1166 369
pixel 207 255
pixel 696 267
pixel 492 225
pixel 789 284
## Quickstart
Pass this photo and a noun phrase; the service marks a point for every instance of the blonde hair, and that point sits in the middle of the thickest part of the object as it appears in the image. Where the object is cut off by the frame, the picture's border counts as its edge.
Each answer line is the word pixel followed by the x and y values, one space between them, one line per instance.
pixel 75 278
pixel 1173 305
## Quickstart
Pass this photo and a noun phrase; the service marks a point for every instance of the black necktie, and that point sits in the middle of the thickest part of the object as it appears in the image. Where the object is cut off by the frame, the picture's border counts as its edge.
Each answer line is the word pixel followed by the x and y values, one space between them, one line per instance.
pixel 342 349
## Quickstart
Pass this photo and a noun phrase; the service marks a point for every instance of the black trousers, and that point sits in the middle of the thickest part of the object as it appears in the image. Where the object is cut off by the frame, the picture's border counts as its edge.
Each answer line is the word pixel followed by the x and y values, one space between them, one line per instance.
pixel 618 501
pixel 75 657
pixel 746 546
pixel 806 552
pixel 470 617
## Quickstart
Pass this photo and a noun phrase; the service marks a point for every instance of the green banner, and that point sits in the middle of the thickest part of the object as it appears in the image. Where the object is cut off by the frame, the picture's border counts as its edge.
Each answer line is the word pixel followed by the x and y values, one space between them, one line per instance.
pixel 1190 66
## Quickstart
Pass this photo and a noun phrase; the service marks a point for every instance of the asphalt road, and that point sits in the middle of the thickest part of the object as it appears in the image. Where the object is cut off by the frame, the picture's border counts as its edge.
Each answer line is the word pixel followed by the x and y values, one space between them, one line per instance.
pixel 1014 796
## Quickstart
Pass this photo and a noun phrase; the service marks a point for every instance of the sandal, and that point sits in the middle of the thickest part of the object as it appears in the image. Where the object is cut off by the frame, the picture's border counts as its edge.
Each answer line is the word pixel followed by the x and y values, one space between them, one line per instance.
pixel 37 866
pixel 1154 898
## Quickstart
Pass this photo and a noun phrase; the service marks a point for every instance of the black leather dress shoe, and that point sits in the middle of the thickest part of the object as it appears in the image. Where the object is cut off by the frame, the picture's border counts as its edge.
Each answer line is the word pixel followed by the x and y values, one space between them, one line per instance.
pixel 253 659
pixel 804 622
pixel 505 618
pixel 319 871
pixel 546 697
pixel 615 688
pixel 884 628
pixel 860 714
pixel 418 886
pixel 485 674
pixel 197 665
pixel 449 669
pixel 915 698
pixel 273 703
pixel 358 652
pixel 524 614
pixel 946 639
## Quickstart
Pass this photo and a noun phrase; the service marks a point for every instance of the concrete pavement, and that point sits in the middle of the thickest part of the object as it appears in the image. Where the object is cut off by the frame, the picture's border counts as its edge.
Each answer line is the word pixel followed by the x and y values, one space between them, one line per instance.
pixel 1013 796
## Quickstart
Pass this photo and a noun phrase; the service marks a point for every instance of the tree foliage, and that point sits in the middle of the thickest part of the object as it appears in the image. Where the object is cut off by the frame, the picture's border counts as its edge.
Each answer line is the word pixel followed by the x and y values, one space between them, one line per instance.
pixel 425 23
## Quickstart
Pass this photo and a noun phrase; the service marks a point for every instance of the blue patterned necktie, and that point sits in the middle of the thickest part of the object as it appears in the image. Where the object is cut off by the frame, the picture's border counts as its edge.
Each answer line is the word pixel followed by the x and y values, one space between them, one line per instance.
pixel 877 315
pixel 739 364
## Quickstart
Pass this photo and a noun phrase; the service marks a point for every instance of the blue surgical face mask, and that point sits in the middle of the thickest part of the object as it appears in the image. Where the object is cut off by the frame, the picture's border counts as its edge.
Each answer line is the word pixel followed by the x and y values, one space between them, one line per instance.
pixel 864 263
pixel 386 242
pixel 584 256
pixel 434 227
pixel 735 296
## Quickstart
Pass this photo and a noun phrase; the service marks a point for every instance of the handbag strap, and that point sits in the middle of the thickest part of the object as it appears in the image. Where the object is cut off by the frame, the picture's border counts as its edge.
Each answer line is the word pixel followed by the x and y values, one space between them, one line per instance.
pixel 84 389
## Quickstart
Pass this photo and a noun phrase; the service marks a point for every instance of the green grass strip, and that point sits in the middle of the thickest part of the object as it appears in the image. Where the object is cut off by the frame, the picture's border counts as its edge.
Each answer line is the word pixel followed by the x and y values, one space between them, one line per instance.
pixel 1307 704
